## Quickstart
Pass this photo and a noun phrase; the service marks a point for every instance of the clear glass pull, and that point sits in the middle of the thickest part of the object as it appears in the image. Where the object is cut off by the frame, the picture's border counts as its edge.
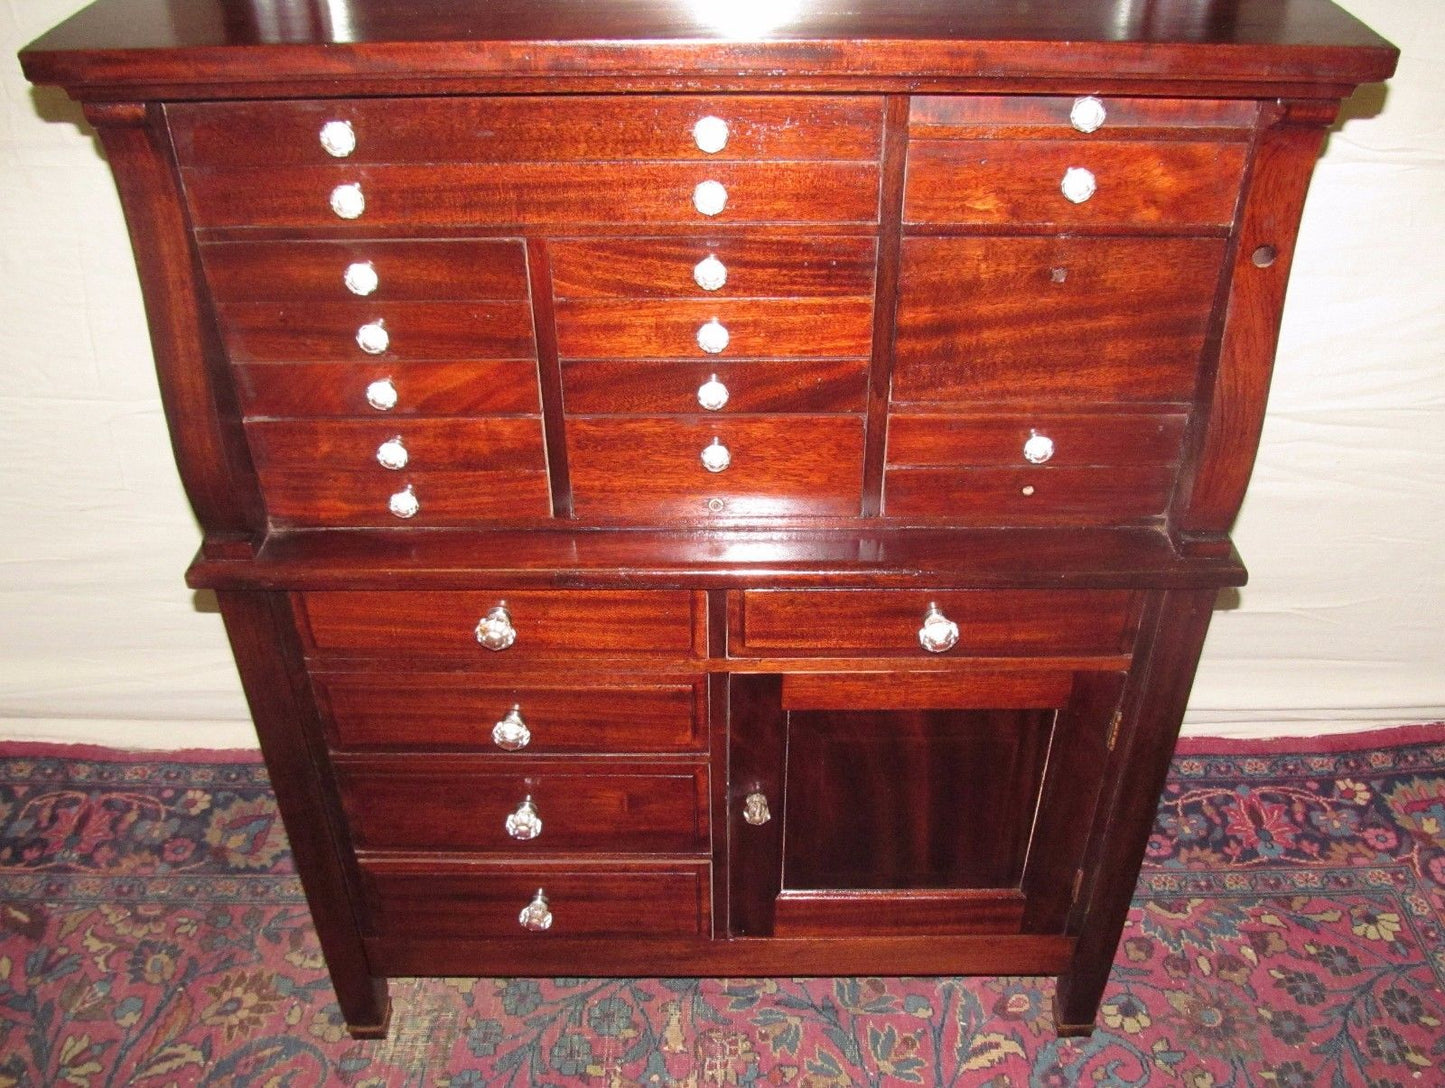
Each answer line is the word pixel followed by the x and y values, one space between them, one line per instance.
pixel 755 809
pixel 381 395
pixel 712 394
pixel 710 134
pixel 713 337
pixel 373 338
pixel 404 504
pixel 347 201
pixel 715 456
pixel 525 823
pixel 511 733
pixel 361 278
pixel 536 915
pixel 1087 114
pixel 710 273
pixel 338 138
pixel 710 198
pixel 495 630
pixel 1078 184
pixel 392 454
pixel 1038 448
pixel 938 633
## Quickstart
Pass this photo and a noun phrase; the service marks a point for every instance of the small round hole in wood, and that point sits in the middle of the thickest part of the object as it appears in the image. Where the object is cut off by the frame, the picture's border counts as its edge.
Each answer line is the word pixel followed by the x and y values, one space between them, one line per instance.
pixel 1264 256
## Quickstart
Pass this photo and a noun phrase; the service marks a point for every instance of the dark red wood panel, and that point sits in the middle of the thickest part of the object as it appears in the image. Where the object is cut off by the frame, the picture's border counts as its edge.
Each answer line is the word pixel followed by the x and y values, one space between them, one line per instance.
pixel 330 495
pixel 1102 438
pixel 654 387
pixel 422 389
pixel 1097 495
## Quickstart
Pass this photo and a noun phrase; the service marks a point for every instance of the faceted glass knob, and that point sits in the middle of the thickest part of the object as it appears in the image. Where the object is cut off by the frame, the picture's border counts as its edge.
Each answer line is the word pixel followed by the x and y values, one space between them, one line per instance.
pixel 711 134
pixel 938 633
pixel 709 198
pixel 1038 449
pixel 1087 114
pixel 511 733
pixel 1078 184
pixel 361 278
pixel 710 273
pixel 713 337
pixel 347 201
pixel 392 454
pixel 495 630
pixel 524 823
pixel 755 809
pixel 338 138
pixel 373 338
pixel 404 503
pixel 536 915
pixel 712 394
pixel 381 395
pixel 715 456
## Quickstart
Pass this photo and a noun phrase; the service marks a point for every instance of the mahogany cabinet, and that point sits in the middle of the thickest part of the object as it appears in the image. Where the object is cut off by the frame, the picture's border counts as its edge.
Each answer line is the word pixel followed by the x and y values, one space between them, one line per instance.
pixel 699 496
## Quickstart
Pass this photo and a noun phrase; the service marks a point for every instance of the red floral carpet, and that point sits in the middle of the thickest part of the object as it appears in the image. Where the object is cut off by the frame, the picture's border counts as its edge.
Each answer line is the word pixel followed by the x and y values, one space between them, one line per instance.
pixel 1287 932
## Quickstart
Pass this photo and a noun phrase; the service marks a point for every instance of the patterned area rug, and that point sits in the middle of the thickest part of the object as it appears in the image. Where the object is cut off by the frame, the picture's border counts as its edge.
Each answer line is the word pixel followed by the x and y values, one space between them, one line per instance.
pixel 1289 930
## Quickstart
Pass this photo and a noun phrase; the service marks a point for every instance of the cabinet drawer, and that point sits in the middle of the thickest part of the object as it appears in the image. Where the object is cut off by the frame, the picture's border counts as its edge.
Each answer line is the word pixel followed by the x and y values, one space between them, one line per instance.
pixel 404 271
pixel 656 387
pixel 1068 441
pixel 398 624
pixel 1027 495
pixel 410 898
pixel 1053 321
pixel 1049 115
pixel 756 328
pixel 602 194
pixel 431 710
pixel 326 496
pixel 751 267
pixel 503 444
pixel 465 804
pixel 649 467
pixel 270 390
pixel 996 623
pixel 1018 182
pixel 526 129
pixel 329 331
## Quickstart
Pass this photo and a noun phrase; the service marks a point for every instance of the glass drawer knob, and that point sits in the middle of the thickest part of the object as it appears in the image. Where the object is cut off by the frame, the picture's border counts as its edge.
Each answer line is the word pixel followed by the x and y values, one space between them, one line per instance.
pixel 938 633
pixel 373 338
pixel 715 456
pixel 361 278
pixel 495 630
pixel 392 454
pixel 511 733
pixel 1078 184
pixel 709 198
pixel 404 503
pixel 347 201
pixel 713 337
pixel 755 809
pixel 712 394
pixel 381 395
pixel 1038 448
pixel 710 134
pixel 710 273
pixel 338 138
pixel 525 823
pixel 1087 114
pixel 536 915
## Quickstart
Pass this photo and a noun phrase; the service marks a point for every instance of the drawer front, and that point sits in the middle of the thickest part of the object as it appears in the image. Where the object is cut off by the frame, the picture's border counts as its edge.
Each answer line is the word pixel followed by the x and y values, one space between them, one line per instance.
pixel 586 715
pixel 325 496
pixel 1055 321
pixel 887 622
pixel 1020 182
pixel 755 328
pixel 468 805
pixel 1068 441
pixel 404 271
pixel 271 390
pixel 526 129
pixel 676 388
pixel 953 116
pixel 331 331
pixel 484 900
pixel 397 624
pixel 751 267
pixel 650 467
pixel 602 194
pixel 1028 496
pixel 495 445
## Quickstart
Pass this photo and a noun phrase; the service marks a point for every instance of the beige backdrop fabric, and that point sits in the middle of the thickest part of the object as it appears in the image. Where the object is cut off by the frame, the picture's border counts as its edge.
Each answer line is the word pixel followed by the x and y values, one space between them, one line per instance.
pixel 1343 530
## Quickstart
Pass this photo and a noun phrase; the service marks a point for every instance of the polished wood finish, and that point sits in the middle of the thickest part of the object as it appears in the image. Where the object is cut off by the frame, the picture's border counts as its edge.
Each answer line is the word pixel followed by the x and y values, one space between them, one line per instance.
pixel 743 758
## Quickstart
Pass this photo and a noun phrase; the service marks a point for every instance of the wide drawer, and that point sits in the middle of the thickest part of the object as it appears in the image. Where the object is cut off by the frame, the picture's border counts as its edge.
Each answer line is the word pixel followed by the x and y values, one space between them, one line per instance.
pixel 996 623
pixel 525 807
pixel 332 331
pixel 405 271
pixel 1045 115
pixel 410 898
pixel 755 328
pixel 1060 440
pixel 644 467
pixel 1055 321
pixel 1015 183
pixel 604 194
pixel 326 496
pixel 656 387
pixel 526 129
pixel 395 624
pixel 751 267
pixel 579 715
pixel 270 390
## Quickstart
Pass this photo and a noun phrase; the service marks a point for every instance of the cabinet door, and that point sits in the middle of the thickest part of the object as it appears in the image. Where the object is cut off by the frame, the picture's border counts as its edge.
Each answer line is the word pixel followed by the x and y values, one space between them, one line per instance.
pixel 890 804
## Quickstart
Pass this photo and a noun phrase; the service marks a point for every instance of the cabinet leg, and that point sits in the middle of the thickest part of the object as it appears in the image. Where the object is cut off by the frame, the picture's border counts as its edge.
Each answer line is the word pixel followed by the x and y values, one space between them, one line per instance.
pixel 365 1006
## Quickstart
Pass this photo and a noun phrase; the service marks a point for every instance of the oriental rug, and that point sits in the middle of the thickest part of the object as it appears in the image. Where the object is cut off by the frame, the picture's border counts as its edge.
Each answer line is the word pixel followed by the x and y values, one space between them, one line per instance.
pixel 1288 930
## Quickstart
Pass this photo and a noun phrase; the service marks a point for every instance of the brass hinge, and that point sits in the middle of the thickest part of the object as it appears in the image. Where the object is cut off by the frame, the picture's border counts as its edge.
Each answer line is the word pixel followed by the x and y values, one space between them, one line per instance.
pixel 1114 729
pixel 1078 883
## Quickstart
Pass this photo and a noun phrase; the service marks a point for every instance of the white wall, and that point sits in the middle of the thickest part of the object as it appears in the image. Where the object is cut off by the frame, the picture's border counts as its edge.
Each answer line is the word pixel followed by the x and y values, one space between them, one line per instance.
pixel 101 642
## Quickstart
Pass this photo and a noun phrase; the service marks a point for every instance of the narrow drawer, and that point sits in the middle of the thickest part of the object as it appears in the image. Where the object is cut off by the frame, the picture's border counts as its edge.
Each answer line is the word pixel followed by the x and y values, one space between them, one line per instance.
pixel 381 271
pixel 942 116
pixel 325 496
pixel 1041 439
pixel 505 444
pixel 656 387
pixel 397 624
pixel 1027 496
pixel 776 466
pixel 445 710
pixel 299 390
pixel 1065 320
pixel 995 623
pixel 469 804
pixel 526 129
pixel 1016 182
pixel 601 194
pixel 411 898
pixel 331 331
pixel 753 328
pixel 750 267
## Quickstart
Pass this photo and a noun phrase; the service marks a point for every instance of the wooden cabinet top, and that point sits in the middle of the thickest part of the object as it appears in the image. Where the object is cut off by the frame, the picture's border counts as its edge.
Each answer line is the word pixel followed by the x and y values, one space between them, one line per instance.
pixel 150 49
